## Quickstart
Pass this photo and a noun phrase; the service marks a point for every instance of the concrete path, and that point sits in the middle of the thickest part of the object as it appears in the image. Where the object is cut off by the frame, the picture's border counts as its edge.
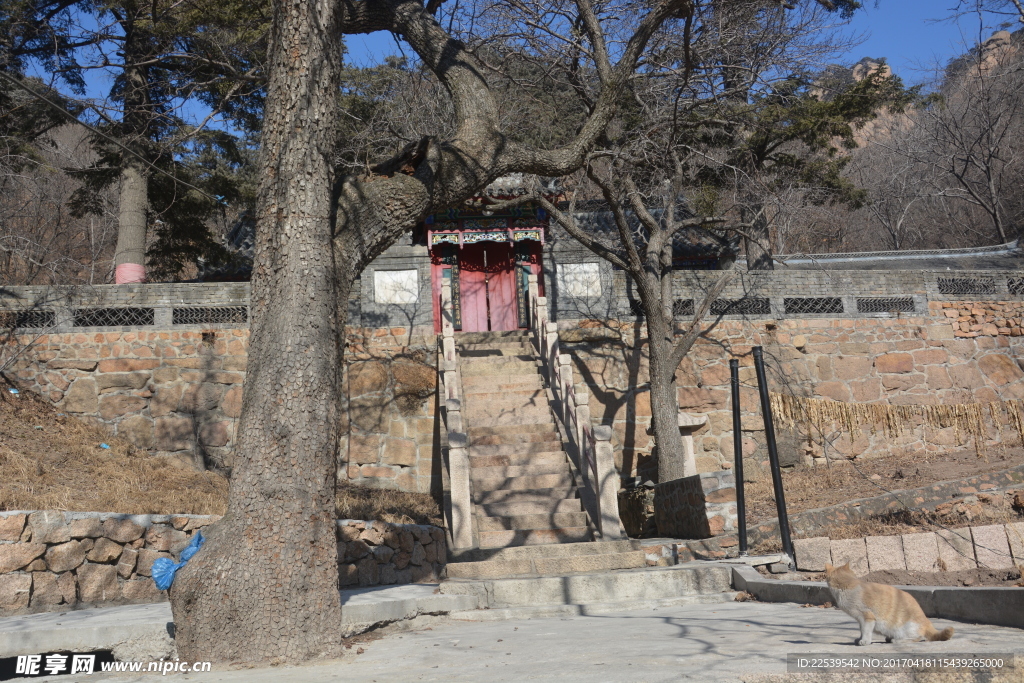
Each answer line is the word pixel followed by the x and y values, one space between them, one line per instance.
pixel 723 642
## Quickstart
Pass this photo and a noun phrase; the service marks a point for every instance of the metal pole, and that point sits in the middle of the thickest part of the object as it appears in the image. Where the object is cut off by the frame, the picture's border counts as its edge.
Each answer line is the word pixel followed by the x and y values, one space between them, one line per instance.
pixel 773 452
pixel 737 448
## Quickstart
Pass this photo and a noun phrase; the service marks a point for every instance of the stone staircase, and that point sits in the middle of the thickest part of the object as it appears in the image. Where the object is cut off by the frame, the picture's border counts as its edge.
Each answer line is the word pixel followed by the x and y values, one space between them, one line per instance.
pixel 528 516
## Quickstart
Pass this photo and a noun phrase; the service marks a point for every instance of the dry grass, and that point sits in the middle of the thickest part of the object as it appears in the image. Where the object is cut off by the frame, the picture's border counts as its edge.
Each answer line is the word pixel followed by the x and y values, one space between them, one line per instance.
pixel 396 507
pixel 53 462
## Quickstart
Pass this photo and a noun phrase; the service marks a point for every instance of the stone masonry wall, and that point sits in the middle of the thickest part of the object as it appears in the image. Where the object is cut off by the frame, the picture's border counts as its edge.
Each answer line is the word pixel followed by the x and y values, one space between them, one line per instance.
pixel 52 560
pixel 700 506
pixel 899 359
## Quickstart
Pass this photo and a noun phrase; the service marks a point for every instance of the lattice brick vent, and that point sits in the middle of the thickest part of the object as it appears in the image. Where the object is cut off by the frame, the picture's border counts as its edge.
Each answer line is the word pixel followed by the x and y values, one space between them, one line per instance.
pixel 210 315
pixel 1015 285
pixel 681 307
pixel 748 306
pixel 813 304
pixel 636 308
pixel 885 305
pixel 966 285
pixel 113 317
pixel 27 319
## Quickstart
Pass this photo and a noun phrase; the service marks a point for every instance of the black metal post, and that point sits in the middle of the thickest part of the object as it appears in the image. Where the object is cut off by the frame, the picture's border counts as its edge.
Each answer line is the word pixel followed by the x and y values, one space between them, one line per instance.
pixel 737 449
pixel 773 452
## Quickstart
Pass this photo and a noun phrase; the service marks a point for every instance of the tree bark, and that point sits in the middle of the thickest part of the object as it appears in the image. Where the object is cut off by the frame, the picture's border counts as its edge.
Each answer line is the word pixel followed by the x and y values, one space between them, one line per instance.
pixel 132 222
pixel 264 587
pixel 758 249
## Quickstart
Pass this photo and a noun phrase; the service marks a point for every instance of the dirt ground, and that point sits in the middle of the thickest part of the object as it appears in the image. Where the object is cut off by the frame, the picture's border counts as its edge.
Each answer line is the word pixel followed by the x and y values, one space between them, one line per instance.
pixel 50 461
pixel 808 488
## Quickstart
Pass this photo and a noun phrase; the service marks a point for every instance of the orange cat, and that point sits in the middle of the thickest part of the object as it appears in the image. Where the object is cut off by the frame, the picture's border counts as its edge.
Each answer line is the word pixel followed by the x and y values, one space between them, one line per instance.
pixel 877 607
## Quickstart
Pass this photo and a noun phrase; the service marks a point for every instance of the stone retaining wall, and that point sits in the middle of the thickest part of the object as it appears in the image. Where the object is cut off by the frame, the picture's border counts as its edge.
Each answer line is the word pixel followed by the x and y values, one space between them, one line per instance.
pixel 52 560
pixel 994 546
pixel 899 360
pixel 700 506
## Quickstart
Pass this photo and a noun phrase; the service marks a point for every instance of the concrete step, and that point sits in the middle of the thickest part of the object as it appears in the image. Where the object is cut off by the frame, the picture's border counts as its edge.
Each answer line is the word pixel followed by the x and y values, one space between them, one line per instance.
pixel 602 587
pixel 492 405
pixel 497 435
pixel 547 551
pixel 520 522
pixel 513 391
pixel 530 469
pixel 527 482
pixel 551 566
pixel 514 537
pixel 524 495
pixel 495 355
pixel 530 507
pixel 591 609
pixel 523 346
pixel 539 448
pixel 545 459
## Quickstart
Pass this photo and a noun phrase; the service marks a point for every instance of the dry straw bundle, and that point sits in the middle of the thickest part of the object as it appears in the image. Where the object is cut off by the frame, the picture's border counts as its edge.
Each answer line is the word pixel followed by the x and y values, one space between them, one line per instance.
pixel 965 418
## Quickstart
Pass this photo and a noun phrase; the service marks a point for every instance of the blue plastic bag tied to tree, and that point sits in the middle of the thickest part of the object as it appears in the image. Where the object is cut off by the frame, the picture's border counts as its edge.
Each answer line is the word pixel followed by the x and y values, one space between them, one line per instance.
pixel 164 568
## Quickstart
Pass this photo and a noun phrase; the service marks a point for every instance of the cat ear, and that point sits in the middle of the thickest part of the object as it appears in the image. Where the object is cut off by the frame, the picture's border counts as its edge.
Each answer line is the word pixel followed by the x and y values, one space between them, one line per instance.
pixel 829 568
pixel 845 566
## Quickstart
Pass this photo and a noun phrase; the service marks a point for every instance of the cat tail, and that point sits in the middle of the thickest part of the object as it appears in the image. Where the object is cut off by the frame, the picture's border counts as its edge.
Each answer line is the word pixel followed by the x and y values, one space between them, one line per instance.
pixel 945 634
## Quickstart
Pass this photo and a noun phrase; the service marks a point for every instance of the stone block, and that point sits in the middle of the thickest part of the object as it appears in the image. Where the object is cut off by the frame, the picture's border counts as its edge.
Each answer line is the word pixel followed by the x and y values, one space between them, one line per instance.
pixel 145 560
pixel 999 368
pixel 48 526
pixel 231 404
pixel 166 539
pixel 14 556
pixel 399 452
pixel 67 583
pixel 372 536
pixel 97 583
pixel 812 553
pixel 367 377
pixel 885 553
pixel 14 591
pixel 851 367
pixel 45 591
pixel 81 397
pixel 89 527
pixel 173 433
pixel 363 449
pixel 105 551
pixel 419 555
pixel 166 400
pixel 138 429
pixel 894 362
pixel 121 380
pixel 348 574
pixel 1015 535
pixel 11 527
pixel 215 433
pixel 369 574
pixel 370 413
pixel 116 405
pixel 956 551
pixel 122 530
pixel 127 365
pixel 852 550
pixel 200 398
pixel 65 557
pixel 356 549
pixel 141 590
pixel 126 564
pixel 991 547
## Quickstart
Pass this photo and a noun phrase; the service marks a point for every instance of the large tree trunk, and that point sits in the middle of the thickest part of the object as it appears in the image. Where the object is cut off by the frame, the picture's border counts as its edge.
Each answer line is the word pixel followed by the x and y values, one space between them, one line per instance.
pixel 265 585
pixel 132 221
pixel 759 255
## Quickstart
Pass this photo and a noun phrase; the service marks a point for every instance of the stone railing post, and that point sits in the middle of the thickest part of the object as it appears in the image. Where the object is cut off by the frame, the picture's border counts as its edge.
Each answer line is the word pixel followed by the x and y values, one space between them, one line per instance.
pixel 607 484
pixel 458 473
pixel 583 420
pixel 447 326
pixel 565 385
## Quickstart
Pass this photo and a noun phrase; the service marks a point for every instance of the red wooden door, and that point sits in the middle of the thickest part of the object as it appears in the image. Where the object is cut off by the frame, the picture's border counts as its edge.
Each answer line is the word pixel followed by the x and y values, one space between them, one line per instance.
pixel 487 287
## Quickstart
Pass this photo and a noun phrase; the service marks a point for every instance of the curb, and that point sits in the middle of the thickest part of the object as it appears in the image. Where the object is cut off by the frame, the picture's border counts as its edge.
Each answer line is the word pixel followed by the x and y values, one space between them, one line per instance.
pixel 993 606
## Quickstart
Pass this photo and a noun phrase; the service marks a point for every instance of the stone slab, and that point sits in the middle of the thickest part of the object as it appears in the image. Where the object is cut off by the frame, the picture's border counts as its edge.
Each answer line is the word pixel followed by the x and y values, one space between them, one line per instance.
pixel 885 553
pixel 991 547
pixel 812 553
pixel 852 550
pixel 956 551
pixel 921 552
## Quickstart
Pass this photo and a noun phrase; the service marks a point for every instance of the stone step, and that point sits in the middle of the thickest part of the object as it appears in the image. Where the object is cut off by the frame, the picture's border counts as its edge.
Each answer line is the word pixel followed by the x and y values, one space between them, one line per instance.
pixel 524 346
pixel 544 459
pixel 514 434
pixel 592 608
pixel 489 337
pixel 480 475
pixel 530 507
pixel 547 551
pixel 476 411
pixel 524 495
pixel 512 537
pixel 587 588
pixel 481 367
pixel 516 449
pixel 490 405
pixel 521 483
pixel 550 566
pixel 530 416
pixel 486 392
pixel 488 383
pixel 495 355
pixel 519 522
